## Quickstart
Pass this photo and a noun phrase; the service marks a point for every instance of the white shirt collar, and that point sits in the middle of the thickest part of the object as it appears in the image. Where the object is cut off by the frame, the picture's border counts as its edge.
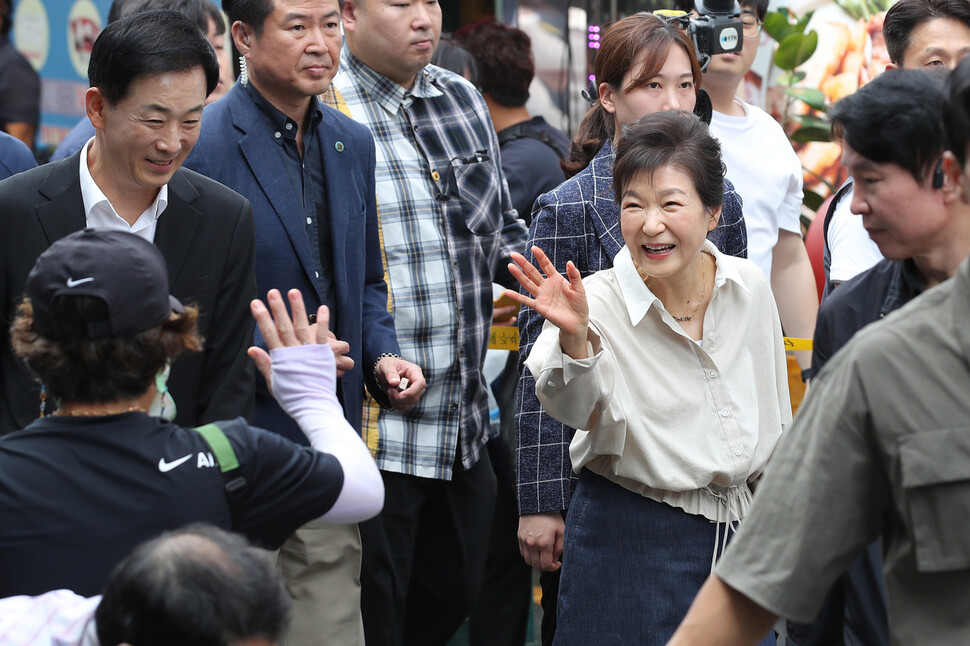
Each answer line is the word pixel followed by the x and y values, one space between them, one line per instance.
pixel 100 214
pixel 639 299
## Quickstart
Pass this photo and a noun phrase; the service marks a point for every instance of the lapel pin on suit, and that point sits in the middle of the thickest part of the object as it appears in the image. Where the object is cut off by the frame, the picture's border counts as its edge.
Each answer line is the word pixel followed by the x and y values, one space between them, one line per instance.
pixel 339 146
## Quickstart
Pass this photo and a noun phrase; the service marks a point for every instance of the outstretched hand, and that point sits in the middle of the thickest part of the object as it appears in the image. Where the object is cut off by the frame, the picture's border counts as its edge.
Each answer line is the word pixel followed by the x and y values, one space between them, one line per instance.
pixel 559 300
pixel 280 331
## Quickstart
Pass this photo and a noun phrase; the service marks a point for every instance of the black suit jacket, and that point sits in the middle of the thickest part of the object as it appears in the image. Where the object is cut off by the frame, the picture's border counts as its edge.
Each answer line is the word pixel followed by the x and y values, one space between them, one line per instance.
pixel 206 236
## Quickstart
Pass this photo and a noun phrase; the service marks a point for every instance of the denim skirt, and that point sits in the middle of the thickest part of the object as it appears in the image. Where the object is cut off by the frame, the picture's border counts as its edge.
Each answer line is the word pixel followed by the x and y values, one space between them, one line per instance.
pixel 631 566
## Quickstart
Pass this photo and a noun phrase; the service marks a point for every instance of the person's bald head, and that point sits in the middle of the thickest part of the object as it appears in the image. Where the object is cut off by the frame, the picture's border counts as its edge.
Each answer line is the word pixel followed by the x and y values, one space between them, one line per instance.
pixel 198 586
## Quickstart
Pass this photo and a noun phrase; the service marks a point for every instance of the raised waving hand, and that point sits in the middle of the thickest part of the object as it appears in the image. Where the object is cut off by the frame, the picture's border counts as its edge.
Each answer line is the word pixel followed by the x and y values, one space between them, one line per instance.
pixel 558 299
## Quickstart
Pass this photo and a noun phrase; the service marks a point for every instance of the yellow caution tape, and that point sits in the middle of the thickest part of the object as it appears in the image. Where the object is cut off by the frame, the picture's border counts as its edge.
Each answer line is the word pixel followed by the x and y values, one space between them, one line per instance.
pixel 791 343
pixel 504 337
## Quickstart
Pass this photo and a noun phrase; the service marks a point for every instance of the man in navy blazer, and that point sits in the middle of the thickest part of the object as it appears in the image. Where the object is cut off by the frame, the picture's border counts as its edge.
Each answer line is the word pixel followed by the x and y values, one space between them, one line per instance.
pixel 309 172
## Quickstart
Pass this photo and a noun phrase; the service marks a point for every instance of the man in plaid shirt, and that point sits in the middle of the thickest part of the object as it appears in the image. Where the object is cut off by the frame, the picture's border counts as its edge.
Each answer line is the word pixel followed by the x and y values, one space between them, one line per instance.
pixel 447 227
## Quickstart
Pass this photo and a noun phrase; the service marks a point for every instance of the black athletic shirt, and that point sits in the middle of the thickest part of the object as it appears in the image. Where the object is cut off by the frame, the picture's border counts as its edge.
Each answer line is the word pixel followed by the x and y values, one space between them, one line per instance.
pixel 78 494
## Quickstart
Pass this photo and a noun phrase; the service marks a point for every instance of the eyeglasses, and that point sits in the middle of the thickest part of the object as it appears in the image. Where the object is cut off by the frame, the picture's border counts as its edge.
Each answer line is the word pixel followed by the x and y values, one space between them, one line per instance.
pixel 751 26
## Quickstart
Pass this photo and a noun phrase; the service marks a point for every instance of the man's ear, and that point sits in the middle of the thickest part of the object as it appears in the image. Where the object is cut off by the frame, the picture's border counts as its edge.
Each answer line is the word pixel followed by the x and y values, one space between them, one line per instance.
pixel 952 174
pixel 241 35
pixel 349 15
pixel 95 105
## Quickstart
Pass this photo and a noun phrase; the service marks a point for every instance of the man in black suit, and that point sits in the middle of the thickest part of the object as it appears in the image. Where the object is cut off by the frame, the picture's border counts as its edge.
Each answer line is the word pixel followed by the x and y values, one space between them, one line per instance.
pixel 150 74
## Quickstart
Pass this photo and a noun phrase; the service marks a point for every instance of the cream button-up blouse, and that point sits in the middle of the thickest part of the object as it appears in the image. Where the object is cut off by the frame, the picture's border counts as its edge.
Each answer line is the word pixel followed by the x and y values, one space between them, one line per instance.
pixel 687 422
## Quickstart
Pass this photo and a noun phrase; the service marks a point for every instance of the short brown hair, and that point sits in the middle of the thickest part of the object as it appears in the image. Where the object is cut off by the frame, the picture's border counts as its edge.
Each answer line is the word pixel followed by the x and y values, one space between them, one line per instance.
pixel 100 370
pixel 504 58
pixel 678 139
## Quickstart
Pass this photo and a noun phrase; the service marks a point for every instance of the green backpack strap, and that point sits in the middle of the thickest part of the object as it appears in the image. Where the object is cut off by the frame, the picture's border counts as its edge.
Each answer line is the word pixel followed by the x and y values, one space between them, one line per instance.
pixel 232 477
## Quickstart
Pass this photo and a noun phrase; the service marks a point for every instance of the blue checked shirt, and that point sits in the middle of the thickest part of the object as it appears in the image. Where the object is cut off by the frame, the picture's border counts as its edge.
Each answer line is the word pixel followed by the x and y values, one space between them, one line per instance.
pixel 447 227
pixel 578 221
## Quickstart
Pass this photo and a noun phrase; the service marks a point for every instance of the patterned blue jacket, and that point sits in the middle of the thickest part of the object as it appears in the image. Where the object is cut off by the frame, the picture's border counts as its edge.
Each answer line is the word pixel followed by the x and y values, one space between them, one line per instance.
pixel 578 221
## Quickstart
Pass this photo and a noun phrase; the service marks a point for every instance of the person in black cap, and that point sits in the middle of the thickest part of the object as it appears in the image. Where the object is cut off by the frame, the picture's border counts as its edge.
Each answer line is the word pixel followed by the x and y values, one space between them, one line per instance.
pixel 79 489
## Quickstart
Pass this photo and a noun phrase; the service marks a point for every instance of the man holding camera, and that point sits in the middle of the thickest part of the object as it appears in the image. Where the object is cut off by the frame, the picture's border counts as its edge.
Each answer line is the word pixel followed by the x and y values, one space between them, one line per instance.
pixel 768 176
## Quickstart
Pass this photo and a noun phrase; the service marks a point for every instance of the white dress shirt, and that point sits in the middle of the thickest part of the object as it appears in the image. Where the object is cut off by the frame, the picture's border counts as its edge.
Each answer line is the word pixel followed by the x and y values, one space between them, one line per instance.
pixel 687 423
pixel 99 214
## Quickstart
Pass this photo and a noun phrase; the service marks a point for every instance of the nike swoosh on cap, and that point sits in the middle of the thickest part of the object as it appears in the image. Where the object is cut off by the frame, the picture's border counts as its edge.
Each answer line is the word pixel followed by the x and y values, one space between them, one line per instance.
pixel 165 467
pixel 80 281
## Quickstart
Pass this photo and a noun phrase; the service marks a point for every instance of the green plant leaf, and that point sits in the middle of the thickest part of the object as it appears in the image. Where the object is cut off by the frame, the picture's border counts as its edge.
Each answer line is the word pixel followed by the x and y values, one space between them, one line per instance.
pixel 777 25
pixel 855 8
pixel 802 22
pixel 820 178
pixel 811 133
pixel 810 121
pixel 795 49
pixel 814 98
pixel 790 78
pixel 812 200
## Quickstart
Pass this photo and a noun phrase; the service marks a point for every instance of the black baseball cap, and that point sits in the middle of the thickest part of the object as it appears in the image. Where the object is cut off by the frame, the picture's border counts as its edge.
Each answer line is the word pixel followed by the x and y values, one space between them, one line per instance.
pixel 126 272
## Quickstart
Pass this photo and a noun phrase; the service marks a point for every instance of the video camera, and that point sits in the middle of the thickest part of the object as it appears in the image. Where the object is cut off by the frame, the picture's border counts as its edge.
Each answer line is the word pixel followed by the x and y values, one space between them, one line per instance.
pixel 716 29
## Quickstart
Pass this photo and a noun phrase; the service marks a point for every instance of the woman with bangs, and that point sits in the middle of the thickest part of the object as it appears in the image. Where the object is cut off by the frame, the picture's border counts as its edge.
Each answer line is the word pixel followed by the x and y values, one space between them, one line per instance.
pixel 673 364
pixel 645 65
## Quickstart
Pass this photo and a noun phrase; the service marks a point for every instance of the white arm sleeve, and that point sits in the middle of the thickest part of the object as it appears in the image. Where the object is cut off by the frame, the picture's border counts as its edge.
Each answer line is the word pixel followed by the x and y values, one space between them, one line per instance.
pixel 304 383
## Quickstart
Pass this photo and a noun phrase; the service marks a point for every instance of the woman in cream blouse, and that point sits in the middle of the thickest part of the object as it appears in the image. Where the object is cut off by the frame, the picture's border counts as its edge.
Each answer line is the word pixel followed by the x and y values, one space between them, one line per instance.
pixel 673 362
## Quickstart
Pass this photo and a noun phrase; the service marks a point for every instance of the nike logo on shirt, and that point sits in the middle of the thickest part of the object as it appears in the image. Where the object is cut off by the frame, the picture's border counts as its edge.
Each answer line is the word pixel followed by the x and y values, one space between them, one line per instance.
pixel 165 467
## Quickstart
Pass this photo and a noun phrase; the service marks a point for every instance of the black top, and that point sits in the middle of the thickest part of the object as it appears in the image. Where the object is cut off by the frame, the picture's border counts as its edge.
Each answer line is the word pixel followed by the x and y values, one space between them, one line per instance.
pixel 78 494
pixel 305 173
pixel 884 287
pixel 530 161
pixel 19 87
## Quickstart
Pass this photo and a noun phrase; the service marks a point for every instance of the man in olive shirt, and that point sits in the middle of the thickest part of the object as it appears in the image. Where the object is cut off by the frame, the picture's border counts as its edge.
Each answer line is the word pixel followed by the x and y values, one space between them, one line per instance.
pixel 881 446
pixel 892 145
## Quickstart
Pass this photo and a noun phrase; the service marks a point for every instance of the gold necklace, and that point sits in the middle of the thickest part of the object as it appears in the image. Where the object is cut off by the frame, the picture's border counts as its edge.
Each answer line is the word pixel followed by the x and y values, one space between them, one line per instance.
pixel 97 413
pixel 684 319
